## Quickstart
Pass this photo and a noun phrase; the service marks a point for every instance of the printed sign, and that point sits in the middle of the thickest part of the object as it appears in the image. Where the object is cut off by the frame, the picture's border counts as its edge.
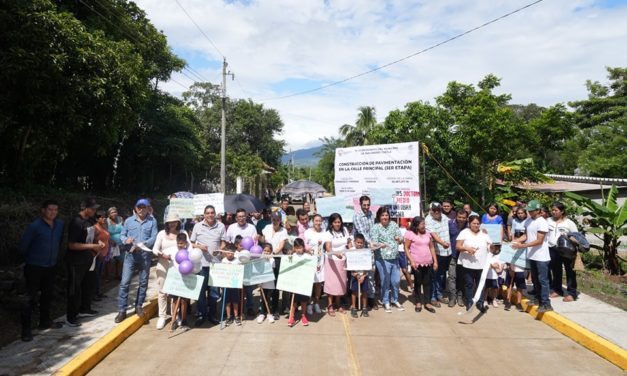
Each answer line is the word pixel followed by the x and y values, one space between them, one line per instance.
pixel 258 271
pixel 337 204
pixel 364 168
pixel 185 286
pixel 517 257
pixel 406 205
pixel 214 199
pixel 359 260
pixel 494 232
pixel 184 207
pixel 226 275
pixel 297 274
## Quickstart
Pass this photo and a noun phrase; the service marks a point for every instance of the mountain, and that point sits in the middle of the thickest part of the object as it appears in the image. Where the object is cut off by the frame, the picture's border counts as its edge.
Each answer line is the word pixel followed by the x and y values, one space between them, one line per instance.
pixel 303 157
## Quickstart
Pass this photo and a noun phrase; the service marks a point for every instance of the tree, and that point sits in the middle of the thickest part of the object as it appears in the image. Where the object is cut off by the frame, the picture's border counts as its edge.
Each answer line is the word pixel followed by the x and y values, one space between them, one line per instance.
pixel 358 134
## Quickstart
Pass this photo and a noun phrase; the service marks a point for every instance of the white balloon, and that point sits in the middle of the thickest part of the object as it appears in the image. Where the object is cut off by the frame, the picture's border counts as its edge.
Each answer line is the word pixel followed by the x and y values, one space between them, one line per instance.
pixel 195 255
pixel 197 268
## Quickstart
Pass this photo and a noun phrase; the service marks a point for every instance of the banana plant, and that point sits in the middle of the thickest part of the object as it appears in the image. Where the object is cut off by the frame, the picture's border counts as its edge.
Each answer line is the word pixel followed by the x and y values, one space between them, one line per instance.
pixel 607 222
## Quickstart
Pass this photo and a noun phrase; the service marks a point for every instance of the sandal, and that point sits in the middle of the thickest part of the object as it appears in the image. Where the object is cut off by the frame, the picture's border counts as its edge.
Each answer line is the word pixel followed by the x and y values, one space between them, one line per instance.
pixel 331 311
pixel 418 308
pixel 341 310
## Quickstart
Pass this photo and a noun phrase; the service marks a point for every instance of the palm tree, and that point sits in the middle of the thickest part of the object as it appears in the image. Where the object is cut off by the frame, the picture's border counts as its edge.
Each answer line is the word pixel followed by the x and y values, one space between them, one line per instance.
pixel 357 135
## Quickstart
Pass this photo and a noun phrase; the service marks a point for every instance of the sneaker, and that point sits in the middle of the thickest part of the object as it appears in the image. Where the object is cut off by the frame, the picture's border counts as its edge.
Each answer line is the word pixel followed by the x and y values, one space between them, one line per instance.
pixel 460 301
pixel 175 324
pixel 238 322
pixel 199 322
pixel 520 308
pixel 481 307
pixel 451 302
pixel 435 303
pixel 310 309
pixel 87 313
pixel 316 308
pixel 364 312
pixel 387 308
pixel 545 308
pixel 120 317
pixel 139 311
pixel 398 306
pixel 508 305
pixel 354 312
pixel 73 323
pixel 495 304
pixel 260 318
pixel 290 322
pixel 184 327
pixel 229 321
pixel 276 317
pixel 161 323
pixel 304 321
pixel 271 319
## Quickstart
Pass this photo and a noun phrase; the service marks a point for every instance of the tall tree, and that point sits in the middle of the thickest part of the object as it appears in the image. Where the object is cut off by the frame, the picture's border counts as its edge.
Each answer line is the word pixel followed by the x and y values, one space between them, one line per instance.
pixel 358 134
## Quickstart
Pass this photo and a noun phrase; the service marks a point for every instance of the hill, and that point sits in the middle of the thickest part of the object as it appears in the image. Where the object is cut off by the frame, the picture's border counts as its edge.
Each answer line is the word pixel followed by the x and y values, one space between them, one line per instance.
pixel 303 157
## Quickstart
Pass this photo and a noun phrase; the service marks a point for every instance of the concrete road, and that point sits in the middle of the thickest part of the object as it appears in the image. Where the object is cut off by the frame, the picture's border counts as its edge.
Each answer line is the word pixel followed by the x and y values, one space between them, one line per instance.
pixel 399 343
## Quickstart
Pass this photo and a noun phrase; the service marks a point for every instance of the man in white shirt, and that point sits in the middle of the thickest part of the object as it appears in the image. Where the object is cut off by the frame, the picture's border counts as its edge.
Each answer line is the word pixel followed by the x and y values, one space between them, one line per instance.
pixel 537 243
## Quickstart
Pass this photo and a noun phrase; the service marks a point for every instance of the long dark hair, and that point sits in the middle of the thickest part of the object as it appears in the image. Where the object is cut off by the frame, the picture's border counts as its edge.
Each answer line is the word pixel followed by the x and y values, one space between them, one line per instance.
pixel 415 222
pixel 332 219
pixel 169 230
pixel 382 210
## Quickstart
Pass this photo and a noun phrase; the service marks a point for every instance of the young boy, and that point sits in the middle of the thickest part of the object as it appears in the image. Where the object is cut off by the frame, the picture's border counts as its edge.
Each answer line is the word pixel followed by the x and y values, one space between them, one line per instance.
pixel 359 280
pixel 496 268
pixel 232 294
pixel 181 244
pixel 298 253
pixel 267 288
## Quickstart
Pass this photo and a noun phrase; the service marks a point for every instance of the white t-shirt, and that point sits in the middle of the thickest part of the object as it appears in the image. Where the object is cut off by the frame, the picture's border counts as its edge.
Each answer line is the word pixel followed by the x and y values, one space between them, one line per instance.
pixel 557 229
pixel 235 229
pixel 539 252
pixel 338 240
pixel 311 244
pixel 479 240
pixel 270 284
pixel 274 237
pixel 492 274
pixel 235 260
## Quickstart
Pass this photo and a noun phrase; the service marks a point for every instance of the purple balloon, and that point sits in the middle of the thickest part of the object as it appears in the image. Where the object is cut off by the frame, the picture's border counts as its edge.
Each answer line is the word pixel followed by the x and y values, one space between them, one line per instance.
pixel 256 250
pixel 181 256
pixel 186 267
pixel 247 243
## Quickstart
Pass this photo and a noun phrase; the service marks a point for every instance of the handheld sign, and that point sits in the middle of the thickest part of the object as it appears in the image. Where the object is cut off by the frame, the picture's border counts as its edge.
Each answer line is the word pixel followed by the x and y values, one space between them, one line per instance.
pixel 226 275
pixel 297 274
pixel 257 272
pixel 214 199
pixel 494 232
pixel 184 207
pixel 185 286
pixel 359 260
pixel 517 257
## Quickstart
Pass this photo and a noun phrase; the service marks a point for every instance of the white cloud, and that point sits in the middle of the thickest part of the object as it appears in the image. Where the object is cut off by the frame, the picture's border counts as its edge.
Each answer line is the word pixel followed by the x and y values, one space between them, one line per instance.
pixel 544 54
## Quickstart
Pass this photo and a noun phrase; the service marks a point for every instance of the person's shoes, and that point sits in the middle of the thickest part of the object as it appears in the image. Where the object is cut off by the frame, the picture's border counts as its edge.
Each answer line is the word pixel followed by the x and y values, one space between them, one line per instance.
pixel 276 317
pixel 354 312
pixel 316 308
pixel 398 306
pixel 229 321
pixel 175 324
pixel 435 303
pixel 238 322
pixel 27 337
pixel 199 322
pixel 545 308
pixel 532 302
pixel 520 308
pixel 387 308
pixel 120 317
pixel 443 300
pixel 72 323
pixel 417 309
pixel 50 325
pixel 304 321
pixel 482 308
pixel 430 309
pixel 310 309
pixel 364 312
pixel 214 321
pixel 87 313
pixel 508 305
pixel 554 295
pixel 161 323
pixel 271 319
pixel 139 311
pixel 290 322
pixel 451 302
pixel 568 298
pixel 261 317
pixel 460 301
pixel 250 313
pixel 184 327
pixel 495 304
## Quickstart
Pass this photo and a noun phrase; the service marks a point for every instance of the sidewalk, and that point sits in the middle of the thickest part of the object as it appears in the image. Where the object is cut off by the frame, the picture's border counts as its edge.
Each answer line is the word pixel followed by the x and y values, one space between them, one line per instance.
pixel 51 349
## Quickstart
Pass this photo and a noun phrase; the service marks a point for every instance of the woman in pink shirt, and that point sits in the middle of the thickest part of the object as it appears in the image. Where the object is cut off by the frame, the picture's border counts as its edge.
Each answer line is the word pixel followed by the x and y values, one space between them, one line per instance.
pixel 421 255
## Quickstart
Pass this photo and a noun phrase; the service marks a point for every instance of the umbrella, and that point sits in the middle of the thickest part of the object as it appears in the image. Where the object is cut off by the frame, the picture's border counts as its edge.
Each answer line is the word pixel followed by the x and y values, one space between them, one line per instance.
pixel 184 194
pixel 301 187
pixel 244 201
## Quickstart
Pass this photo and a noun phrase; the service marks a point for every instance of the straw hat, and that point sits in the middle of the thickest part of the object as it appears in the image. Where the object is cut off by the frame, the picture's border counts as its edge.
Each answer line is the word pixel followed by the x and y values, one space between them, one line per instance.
pixel 172 217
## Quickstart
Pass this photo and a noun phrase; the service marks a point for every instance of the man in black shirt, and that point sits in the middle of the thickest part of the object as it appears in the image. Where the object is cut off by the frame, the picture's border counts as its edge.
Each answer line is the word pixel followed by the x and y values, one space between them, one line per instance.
pixel 80 258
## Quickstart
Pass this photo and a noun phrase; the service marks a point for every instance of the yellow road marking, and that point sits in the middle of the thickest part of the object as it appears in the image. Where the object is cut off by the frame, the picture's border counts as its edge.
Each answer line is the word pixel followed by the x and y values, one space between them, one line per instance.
pixel 356 371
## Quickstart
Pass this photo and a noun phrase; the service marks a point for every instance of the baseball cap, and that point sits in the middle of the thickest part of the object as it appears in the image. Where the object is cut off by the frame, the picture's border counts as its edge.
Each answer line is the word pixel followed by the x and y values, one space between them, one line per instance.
pixel 292 220
pixel 436 206
pixel 89 203
pixel 533 205
pixel 142 201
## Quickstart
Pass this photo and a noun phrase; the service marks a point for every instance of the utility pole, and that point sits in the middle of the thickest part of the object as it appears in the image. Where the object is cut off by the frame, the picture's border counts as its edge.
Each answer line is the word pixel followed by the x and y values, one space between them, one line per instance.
pixel 223 137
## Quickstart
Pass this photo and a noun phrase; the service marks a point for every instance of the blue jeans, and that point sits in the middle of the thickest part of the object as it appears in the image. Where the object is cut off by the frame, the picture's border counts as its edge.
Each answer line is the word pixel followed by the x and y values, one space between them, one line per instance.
pixel 438 286
pixel 540 279
pixel 214 294
pixel 390 276
pixel 138 260
pixel 472 277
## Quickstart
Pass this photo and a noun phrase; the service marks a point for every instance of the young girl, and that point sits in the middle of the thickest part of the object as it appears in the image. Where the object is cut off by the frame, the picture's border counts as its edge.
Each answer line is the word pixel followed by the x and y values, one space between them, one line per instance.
pixel 267 288
pixel 491 282
pixel 232 294
pixel 315 238
pixel 359 280
pixel 170 254
pixel 335 284
pixel 298 253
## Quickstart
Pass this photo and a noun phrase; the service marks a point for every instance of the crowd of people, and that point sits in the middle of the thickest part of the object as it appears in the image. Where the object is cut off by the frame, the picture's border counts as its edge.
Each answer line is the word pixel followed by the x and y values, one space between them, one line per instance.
pixel 443 253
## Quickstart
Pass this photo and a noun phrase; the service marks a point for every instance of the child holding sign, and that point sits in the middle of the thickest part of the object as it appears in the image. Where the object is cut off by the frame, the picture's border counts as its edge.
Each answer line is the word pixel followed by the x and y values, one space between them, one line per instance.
pixel 267 289
pixel 298 253
pixel 359 283
pixel 232 294
pixel 183 303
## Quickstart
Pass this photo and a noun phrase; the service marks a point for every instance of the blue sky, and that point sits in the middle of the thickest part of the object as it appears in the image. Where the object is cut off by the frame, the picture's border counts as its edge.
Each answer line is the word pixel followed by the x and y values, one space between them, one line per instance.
pixel 543 54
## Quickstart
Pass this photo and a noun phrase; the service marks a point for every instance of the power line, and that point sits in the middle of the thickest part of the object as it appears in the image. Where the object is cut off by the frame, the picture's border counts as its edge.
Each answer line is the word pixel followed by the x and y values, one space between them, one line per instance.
pixel 335 83
pixel 180 84
pixel 199 29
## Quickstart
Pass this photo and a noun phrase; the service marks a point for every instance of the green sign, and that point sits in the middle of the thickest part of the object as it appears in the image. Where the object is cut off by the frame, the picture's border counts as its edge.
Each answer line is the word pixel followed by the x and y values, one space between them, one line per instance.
pixel 184 207
pixel 258 271
pixel 185 286
pixel 226 275
pixel 517 257
pixel 296 274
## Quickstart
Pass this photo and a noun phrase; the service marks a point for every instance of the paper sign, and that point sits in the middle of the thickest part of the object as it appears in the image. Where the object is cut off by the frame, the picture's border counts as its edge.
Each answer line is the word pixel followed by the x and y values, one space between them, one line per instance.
pixel 258 271
pixel 381 196
pixel 406 205
pixel 494 232
pixel 359 260
pixel 517 257
pixel 214 199
pixel 297 275
pixel 226 275
pixel 185 286
pixel 337 204
pixel 184 207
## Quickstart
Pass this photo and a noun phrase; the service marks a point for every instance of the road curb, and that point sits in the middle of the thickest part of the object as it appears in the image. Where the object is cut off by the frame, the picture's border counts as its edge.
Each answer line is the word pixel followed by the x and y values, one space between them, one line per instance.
pixel 92 355
pixel 604 348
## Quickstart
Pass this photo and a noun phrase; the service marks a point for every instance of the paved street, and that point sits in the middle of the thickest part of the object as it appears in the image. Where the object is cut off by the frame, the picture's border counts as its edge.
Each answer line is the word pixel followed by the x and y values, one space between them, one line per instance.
pixel 400 343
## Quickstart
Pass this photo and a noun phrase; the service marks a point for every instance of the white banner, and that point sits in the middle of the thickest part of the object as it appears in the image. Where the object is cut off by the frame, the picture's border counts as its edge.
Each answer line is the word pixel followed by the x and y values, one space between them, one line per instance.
pixel 202 200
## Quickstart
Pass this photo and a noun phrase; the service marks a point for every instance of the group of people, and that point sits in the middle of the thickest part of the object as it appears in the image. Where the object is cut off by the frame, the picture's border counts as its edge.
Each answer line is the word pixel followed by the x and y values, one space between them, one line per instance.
pixel 444 253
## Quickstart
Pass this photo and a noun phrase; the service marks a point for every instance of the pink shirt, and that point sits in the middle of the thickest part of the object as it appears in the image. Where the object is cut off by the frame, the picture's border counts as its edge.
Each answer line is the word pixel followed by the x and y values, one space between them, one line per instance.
pixel 419 247
pixel 302 229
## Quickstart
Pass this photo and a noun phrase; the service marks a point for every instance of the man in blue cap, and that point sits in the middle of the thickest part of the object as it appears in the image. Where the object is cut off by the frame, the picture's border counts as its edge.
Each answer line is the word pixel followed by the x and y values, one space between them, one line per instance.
pixel 138 235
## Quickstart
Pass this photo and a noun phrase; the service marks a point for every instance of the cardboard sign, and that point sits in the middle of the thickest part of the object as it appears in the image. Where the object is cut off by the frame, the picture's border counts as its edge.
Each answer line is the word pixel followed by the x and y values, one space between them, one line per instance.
pixel 359 260
pixel 184 207
pixel 494 232
pixel 338 204
pixel 185 286
pixel 517 257
pixel 297 274
pixel 214 199
pixel 226 275
pixel 258 271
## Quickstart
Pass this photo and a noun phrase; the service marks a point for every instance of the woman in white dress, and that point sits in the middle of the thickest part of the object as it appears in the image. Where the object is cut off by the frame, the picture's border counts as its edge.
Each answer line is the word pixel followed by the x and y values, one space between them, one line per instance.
pixel 315 238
